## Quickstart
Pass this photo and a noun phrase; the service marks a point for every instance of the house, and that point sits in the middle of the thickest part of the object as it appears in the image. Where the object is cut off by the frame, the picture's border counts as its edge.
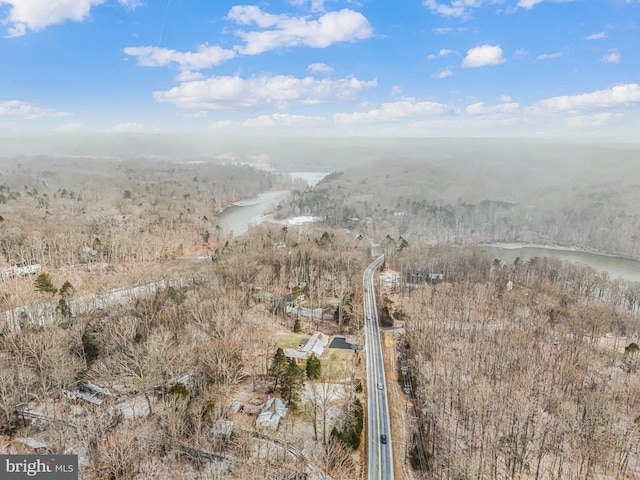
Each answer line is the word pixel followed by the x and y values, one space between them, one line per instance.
pixel 292 305
pixel 389 278
pixel 20 270
pixel 421 276
pixel 270 414
pixel 314 346
pixel 312 313
pixel 88 392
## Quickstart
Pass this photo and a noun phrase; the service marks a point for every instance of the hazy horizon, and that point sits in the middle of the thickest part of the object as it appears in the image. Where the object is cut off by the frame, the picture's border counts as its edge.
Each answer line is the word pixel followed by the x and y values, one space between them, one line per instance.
pixel 234 147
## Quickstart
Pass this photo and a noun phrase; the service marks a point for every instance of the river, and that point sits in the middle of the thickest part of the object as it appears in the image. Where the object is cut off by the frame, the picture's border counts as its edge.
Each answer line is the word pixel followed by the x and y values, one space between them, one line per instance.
pixel 614 266
pixel 238 217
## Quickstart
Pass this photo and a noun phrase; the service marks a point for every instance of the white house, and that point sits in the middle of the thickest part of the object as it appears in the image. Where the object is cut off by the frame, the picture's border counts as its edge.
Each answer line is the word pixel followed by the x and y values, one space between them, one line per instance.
pixel 314 346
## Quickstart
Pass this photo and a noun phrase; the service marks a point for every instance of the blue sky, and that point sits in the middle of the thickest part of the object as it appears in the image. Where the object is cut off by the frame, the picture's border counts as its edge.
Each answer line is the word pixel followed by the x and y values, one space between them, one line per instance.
pixel 327 67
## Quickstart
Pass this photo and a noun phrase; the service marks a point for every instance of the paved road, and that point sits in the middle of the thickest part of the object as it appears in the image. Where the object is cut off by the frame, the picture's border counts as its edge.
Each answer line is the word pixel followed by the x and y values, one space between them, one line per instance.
pixel 380 454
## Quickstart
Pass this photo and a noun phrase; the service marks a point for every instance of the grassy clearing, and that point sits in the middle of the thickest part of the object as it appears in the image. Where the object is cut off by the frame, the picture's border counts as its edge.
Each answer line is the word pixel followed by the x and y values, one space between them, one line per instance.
pixel 290 339
pixel 337 364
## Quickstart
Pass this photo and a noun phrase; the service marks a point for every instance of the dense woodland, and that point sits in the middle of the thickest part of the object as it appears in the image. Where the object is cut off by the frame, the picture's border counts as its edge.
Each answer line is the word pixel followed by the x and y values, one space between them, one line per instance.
pixel 63 212
pixel 520 371
pixel 212 312
pixel 486 191
pixel 525 370
pixel 215 323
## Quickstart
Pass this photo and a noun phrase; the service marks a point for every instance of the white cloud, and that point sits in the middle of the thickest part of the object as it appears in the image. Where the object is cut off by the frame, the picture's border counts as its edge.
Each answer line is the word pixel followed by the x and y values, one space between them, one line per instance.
pixel 557 115
pixel 389 112
pixel 455 8
pixel 275 31
pixel 479 108
pixel 442 74
pixel 396 90
pixel 618 96
pixel 272 121
pixel 320 68
pixel 285 31
pixel 37 14
pixel 595 120
pixel 482 56
pixel 17 108
pixel 445 30
pixel 204 57
pixel 223 124
pixel 194 114
pixel 278 91
pixel 596 36
pixel 547 56
pixel 553 116
pixel 442 53
pixel 130 4
pixel 529 4
pixel 315 5
pixel 284 120
pixel 611 57
pixel 520 54
pixel 189 76
pixel 248 14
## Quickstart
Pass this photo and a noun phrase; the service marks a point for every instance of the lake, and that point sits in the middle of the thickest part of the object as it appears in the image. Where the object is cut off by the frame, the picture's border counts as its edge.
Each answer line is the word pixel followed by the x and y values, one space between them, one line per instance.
pixel 614 266
pixel 238 217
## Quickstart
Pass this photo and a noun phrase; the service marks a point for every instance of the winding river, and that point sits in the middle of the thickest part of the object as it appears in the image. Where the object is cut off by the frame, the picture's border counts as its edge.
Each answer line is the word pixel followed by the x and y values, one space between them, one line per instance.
pixel 239 216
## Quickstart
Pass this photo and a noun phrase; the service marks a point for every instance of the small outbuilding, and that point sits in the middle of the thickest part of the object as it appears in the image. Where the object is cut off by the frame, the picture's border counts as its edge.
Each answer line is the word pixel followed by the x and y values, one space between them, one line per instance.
pixel 270 414
pixel 88 392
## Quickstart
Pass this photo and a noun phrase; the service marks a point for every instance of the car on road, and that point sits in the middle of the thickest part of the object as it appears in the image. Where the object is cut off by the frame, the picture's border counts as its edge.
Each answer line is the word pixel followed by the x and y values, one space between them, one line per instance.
pixel 380 386
pixel 368 317
pixel 383 439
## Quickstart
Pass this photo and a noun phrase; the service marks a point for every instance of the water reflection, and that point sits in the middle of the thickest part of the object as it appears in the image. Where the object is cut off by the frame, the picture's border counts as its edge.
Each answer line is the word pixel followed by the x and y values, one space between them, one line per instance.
pixel 238 217
pixel 614 266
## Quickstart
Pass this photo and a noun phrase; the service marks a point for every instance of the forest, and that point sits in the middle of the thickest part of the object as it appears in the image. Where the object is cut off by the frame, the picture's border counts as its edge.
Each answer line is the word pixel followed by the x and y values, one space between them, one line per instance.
pixel 62 212
pixel 575 196
pixel 145 341
pixel 523 371
pixel 143 336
